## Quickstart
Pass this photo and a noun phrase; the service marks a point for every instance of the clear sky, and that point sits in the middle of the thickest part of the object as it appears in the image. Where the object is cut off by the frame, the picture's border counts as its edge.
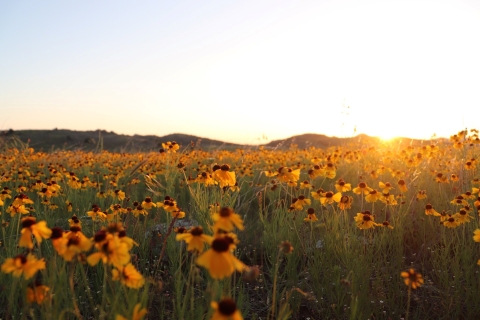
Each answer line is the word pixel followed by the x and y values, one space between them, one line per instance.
pixel 241 71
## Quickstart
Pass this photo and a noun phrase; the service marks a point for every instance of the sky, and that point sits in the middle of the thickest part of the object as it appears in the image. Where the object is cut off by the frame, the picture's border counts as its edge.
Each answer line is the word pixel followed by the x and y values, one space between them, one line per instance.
pixel 242 71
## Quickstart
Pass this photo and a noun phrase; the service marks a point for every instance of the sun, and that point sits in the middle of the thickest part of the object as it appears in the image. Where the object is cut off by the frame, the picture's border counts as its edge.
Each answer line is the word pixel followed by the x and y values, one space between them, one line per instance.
pixel 387 137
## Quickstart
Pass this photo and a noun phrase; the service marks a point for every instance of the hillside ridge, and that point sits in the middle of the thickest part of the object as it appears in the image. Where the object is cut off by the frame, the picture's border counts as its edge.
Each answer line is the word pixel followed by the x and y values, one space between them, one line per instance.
pixel 64 139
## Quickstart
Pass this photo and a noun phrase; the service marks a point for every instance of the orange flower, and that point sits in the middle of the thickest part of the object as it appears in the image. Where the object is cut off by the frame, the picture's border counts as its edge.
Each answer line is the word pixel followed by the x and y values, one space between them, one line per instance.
pixel 402 185
pixel 224 176
pixel 300 202
pixel 311 217
pixel 412 278
pixel 219 260
pixel 31 227
pixel 119 195
pixel 345 202
pixel 286 174
pixel 129 276
pixel 450 222
pixel 17 209
pixel 422 194
pixel 20 265
pixel 430 211
pixel 226 220
pixel 195 238
pixel 330 198
pixel 138 313
pixel 365 220
pixel 38 294
pixel 148 204
pixel 111 250
pixel 225 309
pixel 341 186
pixel 170 146
pixel 362 188
pixel 386 187
pixel 373 196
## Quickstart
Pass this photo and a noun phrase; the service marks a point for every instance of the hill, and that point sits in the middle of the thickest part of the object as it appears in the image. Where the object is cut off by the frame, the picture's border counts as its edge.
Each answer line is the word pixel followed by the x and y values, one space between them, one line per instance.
pixel 49 140
pixel 323 141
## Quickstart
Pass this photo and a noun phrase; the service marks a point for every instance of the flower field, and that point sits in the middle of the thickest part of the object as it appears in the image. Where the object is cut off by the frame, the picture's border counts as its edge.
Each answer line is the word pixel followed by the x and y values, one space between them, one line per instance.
pixel 355 231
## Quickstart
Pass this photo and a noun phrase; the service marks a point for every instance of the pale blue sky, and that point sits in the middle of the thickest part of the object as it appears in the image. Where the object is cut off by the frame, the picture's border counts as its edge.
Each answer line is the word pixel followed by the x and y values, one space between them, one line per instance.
pixel 240 70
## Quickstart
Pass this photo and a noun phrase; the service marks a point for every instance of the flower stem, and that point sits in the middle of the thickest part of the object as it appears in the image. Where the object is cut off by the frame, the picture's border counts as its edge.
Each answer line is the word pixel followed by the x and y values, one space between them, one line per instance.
pixel 408 301
pixel 72 288
pixel 274 290
pixel 170 228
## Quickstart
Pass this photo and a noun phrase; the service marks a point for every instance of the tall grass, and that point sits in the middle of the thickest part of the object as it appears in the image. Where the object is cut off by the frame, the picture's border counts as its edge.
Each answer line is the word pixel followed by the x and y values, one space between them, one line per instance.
pixel 335 271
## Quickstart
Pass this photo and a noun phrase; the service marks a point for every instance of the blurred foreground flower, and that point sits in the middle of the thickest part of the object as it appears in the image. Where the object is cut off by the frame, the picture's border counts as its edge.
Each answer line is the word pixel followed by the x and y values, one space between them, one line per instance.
pixel 219 259
pixel 129 276
pixel 412 278
pixel 227 220
pixel 38 293
pixel 138 313
pixel 225 309
pixel 195 239
pixel 21 265
pixel 30 227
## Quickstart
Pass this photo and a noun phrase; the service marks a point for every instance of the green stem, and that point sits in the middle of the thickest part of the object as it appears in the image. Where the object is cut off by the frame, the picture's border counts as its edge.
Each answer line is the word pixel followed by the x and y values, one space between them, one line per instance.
pixel 408 301
pixel 72 288
pixel 272 312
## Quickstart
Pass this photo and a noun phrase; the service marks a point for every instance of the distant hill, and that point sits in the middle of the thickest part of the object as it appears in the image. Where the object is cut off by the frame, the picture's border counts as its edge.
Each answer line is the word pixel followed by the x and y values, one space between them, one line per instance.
pixel 323 141
pixel 49 140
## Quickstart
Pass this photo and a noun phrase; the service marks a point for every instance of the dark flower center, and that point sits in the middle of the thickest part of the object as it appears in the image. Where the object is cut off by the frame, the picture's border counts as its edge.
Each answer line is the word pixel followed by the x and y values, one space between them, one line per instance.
pixel 225 212
pixel 75 229
pixel 73 241
pixel 181 230
pixel 227 306
pixel 28 222
pixel 100 236
pixel 56 233
pixel 22 258
pixel 197 231
pixel 220 245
